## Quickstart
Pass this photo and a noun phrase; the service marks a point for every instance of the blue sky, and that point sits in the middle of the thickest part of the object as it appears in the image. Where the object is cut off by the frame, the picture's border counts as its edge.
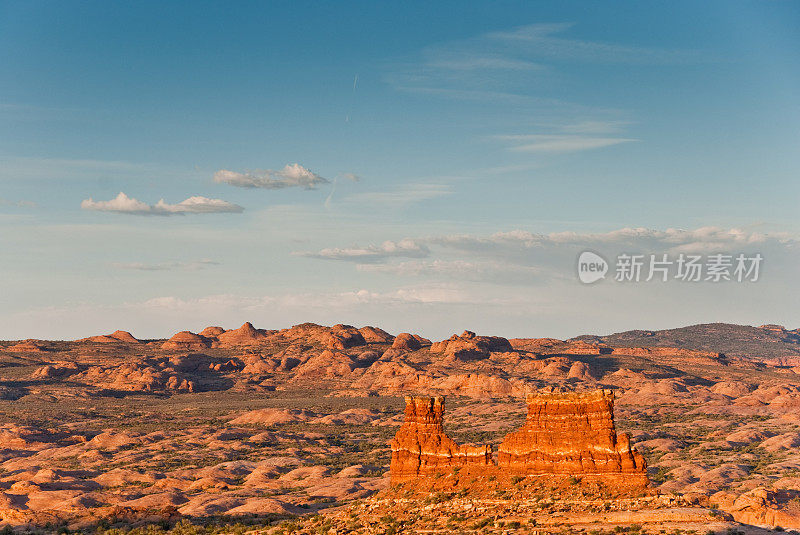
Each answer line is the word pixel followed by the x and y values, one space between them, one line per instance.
pixel 410 165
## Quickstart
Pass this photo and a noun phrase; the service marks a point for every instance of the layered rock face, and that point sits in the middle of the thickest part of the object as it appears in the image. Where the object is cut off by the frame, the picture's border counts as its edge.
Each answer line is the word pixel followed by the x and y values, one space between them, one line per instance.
pixel 572 433
pixel 421 447
pixel 566 434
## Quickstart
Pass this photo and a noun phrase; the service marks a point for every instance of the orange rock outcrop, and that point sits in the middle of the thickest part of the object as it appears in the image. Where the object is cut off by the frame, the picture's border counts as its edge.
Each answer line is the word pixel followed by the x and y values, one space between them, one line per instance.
pixel 244 335
pixel 212 331
pixel 572 433
pixel 566 434
pixel 469 346
pixel 113 338
pixel 31 346
pixel 406 341
pixel 374 335
pixel 421 446
pixel 343 337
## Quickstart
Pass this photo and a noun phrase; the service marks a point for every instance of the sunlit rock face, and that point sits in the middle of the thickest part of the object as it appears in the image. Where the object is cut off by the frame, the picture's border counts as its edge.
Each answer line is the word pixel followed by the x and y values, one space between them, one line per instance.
pixel 571 433
pixel 565 434
pixel 421 447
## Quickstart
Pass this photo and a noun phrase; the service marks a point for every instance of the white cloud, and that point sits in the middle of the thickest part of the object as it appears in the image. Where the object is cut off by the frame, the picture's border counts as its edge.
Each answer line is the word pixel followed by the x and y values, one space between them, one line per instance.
pixel 123 204
pixel 520 257
pixel 292 175
pixel 374 253
pixel 198 205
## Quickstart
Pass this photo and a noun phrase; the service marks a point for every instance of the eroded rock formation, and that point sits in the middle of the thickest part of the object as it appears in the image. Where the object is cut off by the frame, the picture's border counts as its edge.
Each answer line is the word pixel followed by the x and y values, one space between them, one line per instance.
pixel 421 447
pixel 572 433
pixel 566 434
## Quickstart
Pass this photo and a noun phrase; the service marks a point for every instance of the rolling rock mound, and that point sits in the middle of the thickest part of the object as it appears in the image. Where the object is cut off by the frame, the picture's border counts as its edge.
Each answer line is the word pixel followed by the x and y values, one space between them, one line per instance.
pixel 566 434
pixel 187 340
pixel 469 346
pixel 244 335
pixel 114 338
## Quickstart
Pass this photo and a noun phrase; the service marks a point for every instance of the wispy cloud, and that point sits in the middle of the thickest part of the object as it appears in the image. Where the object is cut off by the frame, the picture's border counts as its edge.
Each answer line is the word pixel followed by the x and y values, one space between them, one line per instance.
pixel 17 204
pixel 629 239
pixel 372 253
pixel 166 266
pixel 460 61
pixel 549 143
pixel 467 68
pixel 291 176
pixel 546 41
pixel 404 194
pixel 123 204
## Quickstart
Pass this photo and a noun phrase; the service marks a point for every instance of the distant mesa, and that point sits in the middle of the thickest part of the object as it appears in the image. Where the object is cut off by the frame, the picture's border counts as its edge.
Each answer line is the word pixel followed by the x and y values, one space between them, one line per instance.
pixel 565 434
pixel 187 340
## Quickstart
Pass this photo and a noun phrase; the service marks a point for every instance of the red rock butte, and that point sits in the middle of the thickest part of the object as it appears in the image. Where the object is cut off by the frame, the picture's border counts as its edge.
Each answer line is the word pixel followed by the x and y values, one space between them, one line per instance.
pixel 565 434
pixel 421 447
pixel 571 433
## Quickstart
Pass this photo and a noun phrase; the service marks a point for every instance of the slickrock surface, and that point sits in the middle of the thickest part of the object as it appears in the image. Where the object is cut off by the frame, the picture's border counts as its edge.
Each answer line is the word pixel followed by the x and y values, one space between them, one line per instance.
pixel 421 447
pixel 573 433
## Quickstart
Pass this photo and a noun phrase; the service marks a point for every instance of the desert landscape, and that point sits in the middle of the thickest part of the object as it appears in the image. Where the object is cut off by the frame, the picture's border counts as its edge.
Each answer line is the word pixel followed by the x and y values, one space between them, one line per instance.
pixel 294 431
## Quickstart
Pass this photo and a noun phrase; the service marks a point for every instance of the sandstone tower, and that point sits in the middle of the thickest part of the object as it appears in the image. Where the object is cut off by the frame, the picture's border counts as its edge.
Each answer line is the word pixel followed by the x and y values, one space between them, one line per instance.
pixel 565 434
pixel 572 433
pixel 421 447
